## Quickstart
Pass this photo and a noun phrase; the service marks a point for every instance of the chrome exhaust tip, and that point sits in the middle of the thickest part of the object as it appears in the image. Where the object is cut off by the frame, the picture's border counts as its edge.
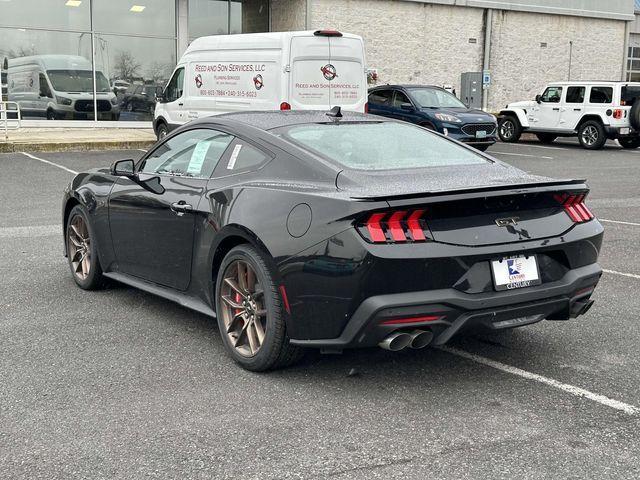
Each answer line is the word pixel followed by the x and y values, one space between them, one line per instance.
pixel 396 341
pixel 420 338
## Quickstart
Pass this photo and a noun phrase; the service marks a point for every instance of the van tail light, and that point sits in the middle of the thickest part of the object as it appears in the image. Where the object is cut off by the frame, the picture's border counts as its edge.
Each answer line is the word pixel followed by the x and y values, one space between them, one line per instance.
pixel 575 207
pixel 285 106
pixel 366 107
pixel 617 113
pixel 327 33
pixel 395 227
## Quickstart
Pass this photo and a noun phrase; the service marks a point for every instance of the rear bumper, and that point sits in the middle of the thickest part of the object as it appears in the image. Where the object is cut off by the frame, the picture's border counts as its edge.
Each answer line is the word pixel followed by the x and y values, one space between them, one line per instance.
pixel 560 300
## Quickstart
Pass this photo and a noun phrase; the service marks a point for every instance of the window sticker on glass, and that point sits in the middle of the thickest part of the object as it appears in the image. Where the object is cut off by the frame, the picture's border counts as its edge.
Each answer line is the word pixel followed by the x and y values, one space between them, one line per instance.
pixel 197 157
pixel 234 157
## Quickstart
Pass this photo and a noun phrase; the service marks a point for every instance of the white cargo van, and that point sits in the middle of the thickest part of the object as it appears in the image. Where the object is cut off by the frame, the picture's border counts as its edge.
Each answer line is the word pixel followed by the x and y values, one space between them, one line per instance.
pixel 264 71
pixel 59 87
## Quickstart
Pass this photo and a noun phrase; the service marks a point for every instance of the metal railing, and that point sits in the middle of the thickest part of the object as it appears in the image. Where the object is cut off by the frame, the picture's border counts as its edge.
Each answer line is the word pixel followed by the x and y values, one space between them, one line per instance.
pixel 10 117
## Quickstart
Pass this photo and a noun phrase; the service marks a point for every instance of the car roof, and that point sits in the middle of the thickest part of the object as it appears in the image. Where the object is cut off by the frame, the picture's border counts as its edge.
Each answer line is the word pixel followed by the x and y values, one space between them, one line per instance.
pixel 593 82
pixel 268 120
pixel 406 86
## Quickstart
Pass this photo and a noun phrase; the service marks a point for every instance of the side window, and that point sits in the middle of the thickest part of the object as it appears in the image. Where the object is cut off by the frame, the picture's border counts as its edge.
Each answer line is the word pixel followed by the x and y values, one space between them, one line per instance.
pixel 552 95
pixel 601 95
pixel 243 157
pixel 45 91
pixel 194 153
pixel 400 98
pixel 175 87
pixel 575 94
pixel 381 97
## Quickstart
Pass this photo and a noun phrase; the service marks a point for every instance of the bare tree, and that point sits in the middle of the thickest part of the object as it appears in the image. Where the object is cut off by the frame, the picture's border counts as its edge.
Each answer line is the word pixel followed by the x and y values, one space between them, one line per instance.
pixel 126 67
pixel 159 72
pixel 22 52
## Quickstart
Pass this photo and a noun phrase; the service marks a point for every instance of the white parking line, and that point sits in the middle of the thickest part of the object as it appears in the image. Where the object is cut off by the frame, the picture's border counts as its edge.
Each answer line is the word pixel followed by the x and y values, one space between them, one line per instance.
pixel 573 390
pixel 630 275
pixel 49 163
pixel 31 231
pixel 531 145
pixel 618 221
pixel 520 155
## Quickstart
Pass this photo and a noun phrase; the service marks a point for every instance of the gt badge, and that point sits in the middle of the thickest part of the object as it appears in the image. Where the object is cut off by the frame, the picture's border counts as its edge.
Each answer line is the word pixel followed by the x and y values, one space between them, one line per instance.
pixel 507 222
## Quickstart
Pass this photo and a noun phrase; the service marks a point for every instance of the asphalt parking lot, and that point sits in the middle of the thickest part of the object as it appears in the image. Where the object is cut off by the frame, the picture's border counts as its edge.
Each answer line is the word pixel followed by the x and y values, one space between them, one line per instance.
pixel 118 383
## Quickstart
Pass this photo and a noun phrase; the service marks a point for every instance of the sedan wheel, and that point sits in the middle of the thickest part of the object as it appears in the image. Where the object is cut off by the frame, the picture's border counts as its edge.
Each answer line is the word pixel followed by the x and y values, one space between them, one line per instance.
pixel 81 250
pixel 251 312
pixel 243 311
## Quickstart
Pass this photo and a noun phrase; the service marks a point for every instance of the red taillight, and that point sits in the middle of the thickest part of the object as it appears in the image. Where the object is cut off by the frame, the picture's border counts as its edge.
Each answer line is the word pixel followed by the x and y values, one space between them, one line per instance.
pixel 285 106
pixel 575 207
pixel 400 226
pixel 366 107
pixel 285 299
pixel 617 113
pixel 404 320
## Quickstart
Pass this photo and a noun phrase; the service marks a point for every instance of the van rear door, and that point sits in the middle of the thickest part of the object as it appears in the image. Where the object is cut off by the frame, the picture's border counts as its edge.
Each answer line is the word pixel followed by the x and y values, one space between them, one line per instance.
pixel 310 73
pixel 348 89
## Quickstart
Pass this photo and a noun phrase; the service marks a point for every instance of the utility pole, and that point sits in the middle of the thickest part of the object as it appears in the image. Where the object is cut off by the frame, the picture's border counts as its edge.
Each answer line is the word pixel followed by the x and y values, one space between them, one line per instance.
pixel 570 58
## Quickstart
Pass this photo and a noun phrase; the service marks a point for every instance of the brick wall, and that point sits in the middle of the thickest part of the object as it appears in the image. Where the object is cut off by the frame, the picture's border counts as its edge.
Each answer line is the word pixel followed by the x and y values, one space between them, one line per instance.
pixel 288 15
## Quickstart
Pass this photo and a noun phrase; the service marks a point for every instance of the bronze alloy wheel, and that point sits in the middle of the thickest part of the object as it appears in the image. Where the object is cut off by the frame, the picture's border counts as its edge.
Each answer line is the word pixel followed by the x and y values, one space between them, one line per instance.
pixel 243 312
pixel 79 247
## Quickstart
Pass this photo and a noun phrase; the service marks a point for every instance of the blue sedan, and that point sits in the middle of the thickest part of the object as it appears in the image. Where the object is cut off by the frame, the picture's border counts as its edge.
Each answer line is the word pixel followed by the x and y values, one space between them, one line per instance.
pixel 436 109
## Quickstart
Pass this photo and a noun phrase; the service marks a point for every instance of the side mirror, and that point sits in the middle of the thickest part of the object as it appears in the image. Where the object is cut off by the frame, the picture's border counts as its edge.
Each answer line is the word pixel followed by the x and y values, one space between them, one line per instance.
pixel 160 98
pixel 407 106
pixel 538 98
pixel 123 168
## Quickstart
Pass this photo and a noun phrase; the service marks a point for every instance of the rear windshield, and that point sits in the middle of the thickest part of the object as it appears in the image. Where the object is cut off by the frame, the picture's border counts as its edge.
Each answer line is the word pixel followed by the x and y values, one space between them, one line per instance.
pixel 380 145
pixel 630 93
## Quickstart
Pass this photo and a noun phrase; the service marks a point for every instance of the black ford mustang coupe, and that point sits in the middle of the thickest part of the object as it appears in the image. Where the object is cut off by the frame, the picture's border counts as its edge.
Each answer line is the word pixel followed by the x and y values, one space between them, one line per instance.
pixel 314 229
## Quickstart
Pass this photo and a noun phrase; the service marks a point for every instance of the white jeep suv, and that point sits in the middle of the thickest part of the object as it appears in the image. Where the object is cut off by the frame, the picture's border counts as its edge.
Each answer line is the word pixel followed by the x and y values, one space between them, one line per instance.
pixel 592 111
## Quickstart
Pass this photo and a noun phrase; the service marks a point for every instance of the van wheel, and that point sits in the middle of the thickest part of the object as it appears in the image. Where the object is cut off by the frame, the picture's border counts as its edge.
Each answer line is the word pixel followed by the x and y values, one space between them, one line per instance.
pixel 509 129
pixel 591 135
pixel 629 142
pixel 162 131
pixel 546 137
pixel 51 115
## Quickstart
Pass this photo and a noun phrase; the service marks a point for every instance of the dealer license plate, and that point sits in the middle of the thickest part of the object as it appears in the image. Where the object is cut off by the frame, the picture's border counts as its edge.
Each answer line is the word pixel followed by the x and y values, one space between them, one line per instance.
pixel 515 272
pixel 481 134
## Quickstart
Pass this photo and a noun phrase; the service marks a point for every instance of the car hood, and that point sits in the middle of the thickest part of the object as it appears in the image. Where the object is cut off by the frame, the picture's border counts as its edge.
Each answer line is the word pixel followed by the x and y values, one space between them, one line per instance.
pixel 371 184
pixel 466 115
pixel 526 104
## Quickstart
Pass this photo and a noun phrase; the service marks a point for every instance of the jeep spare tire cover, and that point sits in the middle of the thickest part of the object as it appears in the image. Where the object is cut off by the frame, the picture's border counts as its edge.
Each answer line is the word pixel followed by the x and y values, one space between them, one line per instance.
pixel 634 114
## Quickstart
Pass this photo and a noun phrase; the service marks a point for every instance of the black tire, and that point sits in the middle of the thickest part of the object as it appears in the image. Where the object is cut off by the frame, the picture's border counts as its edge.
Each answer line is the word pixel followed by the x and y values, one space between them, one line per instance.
pixel 428 126
pixel 162 130
pixel 633 142
pixel 275 351
pixel 51 115
pixel 509 129
pixel 591 135
pixel 546 137
pixel 634 115
pixel 94 279
pixel 129 107
pixel 482 148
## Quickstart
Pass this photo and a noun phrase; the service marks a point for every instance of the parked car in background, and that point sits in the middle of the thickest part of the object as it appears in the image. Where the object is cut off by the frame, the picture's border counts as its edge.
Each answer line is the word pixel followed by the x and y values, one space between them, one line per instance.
pixel 141 99
pixel 264 71
pixel 60 87
pixel 120 87
pixel 592 111
pixel 436 109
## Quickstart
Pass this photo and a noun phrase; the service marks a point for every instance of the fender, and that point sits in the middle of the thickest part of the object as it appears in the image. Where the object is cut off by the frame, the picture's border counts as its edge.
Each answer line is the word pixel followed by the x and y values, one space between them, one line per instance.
pixel 518 113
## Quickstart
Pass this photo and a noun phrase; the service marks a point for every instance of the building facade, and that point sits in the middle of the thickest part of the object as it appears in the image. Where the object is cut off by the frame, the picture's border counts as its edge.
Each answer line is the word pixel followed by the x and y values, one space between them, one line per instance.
pixel 132 45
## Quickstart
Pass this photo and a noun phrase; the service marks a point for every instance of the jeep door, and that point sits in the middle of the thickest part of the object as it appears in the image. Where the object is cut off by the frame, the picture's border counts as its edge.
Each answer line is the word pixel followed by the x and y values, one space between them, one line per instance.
pixel 572 109
pixel 545 115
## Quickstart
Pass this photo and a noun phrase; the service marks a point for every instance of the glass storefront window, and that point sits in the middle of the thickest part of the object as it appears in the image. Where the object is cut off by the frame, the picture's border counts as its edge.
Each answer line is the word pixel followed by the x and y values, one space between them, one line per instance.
pixel 50 74
pixel 208 17
pixel 137 70
pixel 136 17
pixel 52 14
pixel 219 17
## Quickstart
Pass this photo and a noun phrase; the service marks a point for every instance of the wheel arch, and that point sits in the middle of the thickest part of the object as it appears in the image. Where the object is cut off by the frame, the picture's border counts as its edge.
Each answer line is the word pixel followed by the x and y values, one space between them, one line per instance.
pixel 518 113
pixel 68 206
pixel 591 116
pixel 157 121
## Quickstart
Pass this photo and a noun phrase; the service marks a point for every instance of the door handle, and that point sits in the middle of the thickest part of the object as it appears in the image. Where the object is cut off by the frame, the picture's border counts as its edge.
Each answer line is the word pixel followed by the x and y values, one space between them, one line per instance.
pixel 557 109
pixel 577 109
pixel 180 208
pixel 181 104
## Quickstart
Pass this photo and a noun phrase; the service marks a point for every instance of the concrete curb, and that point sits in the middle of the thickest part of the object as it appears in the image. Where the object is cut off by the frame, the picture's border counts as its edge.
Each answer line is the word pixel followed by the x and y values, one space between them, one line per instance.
pixel 10 147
